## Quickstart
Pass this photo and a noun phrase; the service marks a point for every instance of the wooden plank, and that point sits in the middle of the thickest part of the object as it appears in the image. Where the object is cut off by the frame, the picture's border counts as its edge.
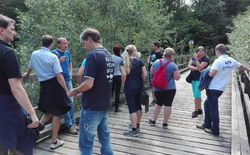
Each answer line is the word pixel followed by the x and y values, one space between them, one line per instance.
pixel 181 137
pixel 240 145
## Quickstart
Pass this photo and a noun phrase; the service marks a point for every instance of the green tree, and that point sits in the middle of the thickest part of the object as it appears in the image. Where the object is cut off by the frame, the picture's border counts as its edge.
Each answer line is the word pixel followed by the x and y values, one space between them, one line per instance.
pixel 124 22
pixel 239 38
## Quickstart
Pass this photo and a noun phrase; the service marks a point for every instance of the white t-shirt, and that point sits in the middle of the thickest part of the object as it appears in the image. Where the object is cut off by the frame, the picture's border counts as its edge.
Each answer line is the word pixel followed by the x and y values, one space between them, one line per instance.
pixel 224 66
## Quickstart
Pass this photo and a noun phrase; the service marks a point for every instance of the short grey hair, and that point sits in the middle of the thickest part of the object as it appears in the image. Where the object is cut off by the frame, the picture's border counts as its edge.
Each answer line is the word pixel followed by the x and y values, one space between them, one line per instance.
pixel 91 33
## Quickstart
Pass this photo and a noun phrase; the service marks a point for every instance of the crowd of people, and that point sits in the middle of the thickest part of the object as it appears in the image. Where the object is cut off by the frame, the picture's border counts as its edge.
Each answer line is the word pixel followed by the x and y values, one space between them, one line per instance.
pixel 100 71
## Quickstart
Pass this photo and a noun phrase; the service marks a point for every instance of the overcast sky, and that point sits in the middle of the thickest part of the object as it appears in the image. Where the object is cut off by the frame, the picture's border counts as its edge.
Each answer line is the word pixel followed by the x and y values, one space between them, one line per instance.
pixel 188 1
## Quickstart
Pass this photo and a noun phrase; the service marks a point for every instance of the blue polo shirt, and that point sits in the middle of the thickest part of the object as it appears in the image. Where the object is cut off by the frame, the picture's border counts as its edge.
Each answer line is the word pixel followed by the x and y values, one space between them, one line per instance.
pixel 65 64
pixel 99 67
pixel 45 64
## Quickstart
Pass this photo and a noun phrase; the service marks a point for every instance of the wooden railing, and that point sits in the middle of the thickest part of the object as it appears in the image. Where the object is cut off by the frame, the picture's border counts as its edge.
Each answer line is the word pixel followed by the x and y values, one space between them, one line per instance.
pixel 244 86
pixel 240 119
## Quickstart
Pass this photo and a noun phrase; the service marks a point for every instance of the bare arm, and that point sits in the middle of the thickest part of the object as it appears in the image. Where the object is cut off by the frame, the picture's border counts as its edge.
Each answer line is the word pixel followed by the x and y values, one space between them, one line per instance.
pixel 177 75
pixel 23 99
pixel 70 68
pixel 244 68
pixel 123 74
pixel 85 86
pixel 192 68
pixel 148 60
pixel 212 73
pixel 144 74
pixel 61 81
pixel 79 75
pixel 201 66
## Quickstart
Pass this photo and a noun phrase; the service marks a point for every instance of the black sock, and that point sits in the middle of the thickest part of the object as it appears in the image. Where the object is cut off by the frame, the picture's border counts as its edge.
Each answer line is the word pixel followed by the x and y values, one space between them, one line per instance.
pixel 138 125
pixel 134 129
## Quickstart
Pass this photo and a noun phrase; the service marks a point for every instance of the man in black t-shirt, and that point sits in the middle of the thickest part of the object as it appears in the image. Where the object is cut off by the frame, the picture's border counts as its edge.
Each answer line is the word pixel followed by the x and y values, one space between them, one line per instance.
pixel 155 54
pixel 96 94
pixel 13 98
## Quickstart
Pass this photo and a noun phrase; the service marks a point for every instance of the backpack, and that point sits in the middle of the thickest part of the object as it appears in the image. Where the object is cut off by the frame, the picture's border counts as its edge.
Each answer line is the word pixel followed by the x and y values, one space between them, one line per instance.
pixel 160 76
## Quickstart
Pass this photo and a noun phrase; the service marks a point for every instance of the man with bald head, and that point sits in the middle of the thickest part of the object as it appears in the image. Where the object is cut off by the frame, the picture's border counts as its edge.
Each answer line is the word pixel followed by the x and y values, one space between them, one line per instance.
pixel 221 71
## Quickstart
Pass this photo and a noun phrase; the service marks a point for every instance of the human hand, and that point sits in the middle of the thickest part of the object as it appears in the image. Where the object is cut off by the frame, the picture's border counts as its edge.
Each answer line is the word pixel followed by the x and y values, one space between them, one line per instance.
pixel 34 123
pixel 62 58
pixel 73 92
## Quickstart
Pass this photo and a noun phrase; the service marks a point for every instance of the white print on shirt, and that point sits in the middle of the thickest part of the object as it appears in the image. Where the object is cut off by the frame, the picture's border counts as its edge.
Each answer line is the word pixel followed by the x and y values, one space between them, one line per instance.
pixel 110 68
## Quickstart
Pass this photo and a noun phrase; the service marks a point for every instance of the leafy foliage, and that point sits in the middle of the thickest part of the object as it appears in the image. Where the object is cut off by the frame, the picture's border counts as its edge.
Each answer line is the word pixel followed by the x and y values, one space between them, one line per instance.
pixel 124 22
pixel 240 37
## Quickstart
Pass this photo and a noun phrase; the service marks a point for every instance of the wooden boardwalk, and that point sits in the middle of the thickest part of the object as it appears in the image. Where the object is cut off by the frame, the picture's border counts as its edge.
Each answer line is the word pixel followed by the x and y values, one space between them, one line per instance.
pixel 181 137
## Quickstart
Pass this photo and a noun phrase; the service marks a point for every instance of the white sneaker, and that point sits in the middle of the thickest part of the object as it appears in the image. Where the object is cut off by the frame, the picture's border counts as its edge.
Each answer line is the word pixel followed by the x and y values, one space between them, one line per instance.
pixel 57 144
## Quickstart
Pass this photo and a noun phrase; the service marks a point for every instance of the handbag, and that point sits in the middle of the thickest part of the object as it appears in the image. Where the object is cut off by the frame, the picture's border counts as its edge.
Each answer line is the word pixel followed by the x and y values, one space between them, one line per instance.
pixel 189 78
pixel 144 100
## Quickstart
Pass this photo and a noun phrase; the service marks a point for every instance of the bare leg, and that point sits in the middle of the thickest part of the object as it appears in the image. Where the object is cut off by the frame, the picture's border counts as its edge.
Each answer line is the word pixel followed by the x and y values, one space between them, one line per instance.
pixel 197 103
pixel 45 118
pixel 55 128
pixel 139 115
pixel 167 113
pixel 157 111
pixel 133 119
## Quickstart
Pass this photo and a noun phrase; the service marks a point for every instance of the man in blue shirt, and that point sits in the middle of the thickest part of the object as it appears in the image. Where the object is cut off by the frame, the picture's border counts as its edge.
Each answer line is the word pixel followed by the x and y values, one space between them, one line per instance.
pixel 64 57
pixel 96 94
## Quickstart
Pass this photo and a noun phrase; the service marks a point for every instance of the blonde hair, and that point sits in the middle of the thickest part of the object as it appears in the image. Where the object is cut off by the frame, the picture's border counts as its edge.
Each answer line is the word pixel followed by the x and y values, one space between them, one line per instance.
pixel 129 50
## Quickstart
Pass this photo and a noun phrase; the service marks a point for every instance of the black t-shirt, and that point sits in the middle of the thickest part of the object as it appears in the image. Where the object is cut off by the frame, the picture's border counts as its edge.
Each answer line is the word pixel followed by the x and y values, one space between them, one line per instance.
pixel 100 67
pixel 153 57
pixel 196 74
pixel 9 67
pixel 134 81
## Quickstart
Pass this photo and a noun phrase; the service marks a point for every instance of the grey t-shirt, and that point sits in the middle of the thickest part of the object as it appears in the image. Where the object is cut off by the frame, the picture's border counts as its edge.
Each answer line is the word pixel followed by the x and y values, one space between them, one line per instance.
pixel 118 63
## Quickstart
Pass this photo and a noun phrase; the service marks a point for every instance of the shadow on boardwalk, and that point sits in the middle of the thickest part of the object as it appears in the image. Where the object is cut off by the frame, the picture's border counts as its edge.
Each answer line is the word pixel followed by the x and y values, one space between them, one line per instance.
pixel 180 138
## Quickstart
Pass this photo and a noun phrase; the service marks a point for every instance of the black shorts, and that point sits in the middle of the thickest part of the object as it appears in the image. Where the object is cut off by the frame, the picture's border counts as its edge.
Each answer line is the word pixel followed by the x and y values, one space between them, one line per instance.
pixel 133 101
pixel 165 97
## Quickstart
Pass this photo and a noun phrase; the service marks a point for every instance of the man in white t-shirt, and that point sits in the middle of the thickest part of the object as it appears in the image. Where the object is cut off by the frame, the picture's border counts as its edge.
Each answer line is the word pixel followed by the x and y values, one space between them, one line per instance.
pixel 221 71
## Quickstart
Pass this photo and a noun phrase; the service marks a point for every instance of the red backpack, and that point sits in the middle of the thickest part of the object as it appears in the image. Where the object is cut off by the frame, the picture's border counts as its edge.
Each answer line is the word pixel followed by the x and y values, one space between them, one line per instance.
pixel 160 76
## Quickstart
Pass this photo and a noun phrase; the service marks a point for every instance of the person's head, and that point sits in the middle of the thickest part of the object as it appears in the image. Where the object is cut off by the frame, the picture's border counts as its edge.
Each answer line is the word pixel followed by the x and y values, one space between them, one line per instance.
pixel 155 46
pixel 47 41
pixel 168 53
pixel 62 44
pixel 89 38
pixel 117 50
pixel 220 49
pixel 130 52
pixel 201 51
pixel 7 29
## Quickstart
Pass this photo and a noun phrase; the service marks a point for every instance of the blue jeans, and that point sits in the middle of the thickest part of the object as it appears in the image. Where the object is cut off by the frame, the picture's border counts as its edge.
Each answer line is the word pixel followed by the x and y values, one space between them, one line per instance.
pixel 70 115
pixel 90 122
pixel 211 107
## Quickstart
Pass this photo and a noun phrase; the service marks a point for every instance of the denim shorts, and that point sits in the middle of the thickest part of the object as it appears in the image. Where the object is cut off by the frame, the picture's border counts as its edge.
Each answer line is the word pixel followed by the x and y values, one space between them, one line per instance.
pixel 196 90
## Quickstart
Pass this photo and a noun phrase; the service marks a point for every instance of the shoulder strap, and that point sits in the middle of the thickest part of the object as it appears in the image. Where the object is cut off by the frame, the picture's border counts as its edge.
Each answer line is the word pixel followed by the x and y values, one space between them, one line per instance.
pixel 165 65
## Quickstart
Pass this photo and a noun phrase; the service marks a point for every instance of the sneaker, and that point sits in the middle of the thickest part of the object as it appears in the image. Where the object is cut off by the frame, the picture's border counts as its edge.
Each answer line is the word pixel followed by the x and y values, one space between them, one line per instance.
pixel 151 122
pixel 72 130
pixel 131 133
pixel 57 144
pixel 210 132
pixel 118 110
pixel 194 114
pixel 199 112
pixel 138 127
pixel 200 127
pixel 165 125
